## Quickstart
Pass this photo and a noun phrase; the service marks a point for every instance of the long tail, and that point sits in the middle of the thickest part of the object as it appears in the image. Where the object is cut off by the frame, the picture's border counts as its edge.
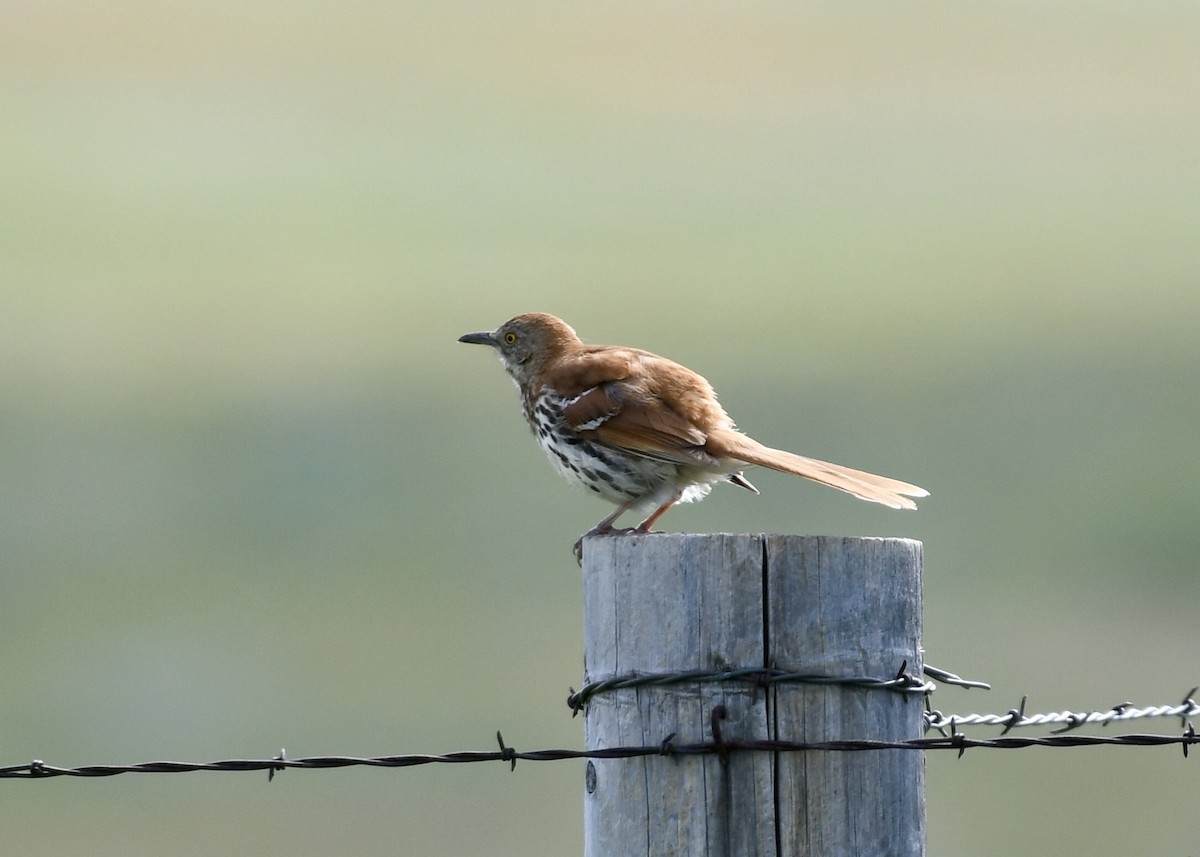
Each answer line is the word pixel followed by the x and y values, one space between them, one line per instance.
pixel 728 443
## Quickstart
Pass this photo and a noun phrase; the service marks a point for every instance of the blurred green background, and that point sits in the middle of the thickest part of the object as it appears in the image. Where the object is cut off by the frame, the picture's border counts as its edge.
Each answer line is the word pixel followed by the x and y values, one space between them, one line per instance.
pixel 255 496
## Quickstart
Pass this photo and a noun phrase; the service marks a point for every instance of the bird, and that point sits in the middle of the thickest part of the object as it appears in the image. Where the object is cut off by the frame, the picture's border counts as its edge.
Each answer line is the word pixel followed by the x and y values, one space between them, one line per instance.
pixel 642 431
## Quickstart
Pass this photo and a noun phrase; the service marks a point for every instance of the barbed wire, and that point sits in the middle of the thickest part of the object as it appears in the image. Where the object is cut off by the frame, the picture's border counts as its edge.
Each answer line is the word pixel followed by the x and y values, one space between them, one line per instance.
pixel 948 726
pixel 1016 717
pixel 38 769
pixel 902 682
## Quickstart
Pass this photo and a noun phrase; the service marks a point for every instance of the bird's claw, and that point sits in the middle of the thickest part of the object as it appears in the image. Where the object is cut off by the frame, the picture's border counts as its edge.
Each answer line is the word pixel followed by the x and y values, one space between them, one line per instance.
pixel 607 530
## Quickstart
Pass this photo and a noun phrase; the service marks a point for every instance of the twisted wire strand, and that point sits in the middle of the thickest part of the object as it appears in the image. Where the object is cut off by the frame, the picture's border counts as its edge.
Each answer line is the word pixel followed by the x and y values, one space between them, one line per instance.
pixel 957 741
pixel 1016 718
pixel 901 682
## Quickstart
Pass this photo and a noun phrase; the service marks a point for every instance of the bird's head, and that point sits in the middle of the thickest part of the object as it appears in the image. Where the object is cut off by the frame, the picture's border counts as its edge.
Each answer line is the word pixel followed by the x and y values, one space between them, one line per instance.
pixel 527 342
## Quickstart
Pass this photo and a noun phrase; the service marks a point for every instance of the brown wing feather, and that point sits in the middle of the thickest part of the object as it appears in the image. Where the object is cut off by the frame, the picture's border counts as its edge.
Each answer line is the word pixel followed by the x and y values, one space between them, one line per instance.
pixel 616 415
pixel 592 408
pixel 589 367
pixel 631 432
pixel 866 486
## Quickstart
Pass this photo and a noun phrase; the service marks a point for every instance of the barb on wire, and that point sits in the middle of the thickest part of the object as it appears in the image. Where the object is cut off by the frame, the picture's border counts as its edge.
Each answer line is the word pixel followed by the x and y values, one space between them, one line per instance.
pixel 946 677
pixel 271 772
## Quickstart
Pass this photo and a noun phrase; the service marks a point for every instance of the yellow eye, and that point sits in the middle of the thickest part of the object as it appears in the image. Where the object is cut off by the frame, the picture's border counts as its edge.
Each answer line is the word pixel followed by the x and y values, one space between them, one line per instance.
pixel 510 338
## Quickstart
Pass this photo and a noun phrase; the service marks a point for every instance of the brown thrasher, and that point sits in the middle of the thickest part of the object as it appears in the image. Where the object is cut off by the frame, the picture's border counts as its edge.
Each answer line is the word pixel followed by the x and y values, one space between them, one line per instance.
pixel 640 430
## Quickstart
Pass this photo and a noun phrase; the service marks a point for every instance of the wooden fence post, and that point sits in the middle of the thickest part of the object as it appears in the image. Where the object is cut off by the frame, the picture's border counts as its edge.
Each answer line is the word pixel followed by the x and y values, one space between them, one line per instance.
pixel 841 607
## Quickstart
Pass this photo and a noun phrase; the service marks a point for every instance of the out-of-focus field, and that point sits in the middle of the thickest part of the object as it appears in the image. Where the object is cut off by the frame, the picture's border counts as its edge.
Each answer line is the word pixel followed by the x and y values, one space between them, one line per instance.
pixel 253 494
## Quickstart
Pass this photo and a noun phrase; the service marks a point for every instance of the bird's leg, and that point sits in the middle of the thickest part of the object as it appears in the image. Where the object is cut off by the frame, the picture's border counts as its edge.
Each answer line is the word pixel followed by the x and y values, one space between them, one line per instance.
pixel 604 528
pixel 644 526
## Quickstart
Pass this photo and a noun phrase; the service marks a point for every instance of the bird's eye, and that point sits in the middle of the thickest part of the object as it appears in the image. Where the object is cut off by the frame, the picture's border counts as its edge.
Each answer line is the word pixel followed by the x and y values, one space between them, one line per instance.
pixel 510 338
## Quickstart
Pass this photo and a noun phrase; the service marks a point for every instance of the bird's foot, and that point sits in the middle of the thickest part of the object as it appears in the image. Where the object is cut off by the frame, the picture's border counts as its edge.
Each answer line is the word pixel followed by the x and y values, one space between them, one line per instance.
pixel 601 530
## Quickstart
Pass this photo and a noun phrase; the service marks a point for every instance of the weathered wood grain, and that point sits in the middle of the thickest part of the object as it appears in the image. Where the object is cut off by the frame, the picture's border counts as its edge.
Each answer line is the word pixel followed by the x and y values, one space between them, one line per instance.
pixel 666 603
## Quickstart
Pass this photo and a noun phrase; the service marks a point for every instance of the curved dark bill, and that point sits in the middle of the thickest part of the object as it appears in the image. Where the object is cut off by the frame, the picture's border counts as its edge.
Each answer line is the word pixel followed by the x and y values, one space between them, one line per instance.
pixel 482 338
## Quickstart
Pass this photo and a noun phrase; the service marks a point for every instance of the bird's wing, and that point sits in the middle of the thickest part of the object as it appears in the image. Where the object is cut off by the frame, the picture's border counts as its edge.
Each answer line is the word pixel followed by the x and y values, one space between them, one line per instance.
pixel 646 428
pixel 613 402
pixel 588 367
